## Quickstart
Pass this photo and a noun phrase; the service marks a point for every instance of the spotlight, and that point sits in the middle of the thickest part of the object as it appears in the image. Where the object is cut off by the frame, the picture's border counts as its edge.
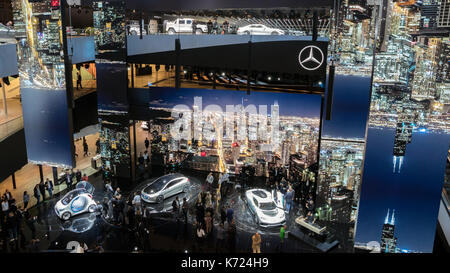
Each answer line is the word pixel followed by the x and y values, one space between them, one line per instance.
pixel 269 78
pixel 279 78
pixel 223 73
pixel 184 71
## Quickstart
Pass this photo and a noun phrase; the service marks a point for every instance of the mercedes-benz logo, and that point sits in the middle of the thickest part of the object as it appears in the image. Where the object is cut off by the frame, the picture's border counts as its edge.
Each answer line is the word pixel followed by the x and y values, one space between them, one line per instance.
pixel 310 57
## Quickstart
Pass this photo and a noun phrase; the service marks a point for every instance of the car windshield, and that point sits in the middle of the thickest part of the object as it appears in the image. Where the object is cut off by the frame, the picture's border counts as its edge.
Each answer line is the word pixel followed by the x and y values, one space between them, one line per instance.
pixel 157 185
pixel 267 206
pixel 71 195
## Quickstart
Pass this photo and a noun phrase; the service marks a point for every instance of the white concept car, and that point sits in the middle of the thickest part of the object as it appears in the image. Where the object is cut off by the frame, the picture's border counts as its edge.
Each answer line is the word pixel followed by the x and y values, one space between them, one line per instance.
pixel 164 187
pixel 259 29
pixel 75 202
pixel 264 209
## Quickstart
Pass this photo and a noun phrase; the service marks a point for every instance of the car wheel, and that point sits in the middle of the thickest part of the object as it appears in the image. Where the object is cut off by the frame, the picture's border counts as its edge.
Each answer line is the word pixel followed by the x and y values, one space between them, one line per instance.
pixel 274 33
pixel 133 32
pixel 186 189
pixel 65 216
pixel 159 199
pixel 198 31
pixel 247 32
pixel 92 208
pixel 171 31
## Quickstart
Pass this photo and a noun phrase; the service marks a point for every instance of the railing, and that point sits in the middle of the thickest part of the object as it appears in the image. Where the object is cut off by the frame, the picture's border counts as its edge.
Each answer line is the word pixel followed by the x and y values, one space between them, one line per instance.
pixel 10 127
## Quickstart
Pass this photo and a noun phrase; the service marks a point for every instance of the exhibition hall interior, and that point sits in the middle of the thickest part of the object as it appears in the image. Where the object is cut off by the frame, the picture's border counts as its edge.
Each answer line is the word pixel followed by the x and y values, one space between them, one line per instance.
pixel 225 126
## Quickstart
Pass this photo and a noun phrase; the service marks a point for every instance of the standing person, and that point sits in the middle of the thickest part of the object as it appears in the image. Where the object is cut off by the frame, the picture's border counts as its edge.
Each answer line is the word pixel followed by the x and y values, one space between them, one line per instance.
pixel 109 190
pixel 12 223
pixel 78 176
pixel 79 80
pixel 146 160
pixel 224 184
pixel 176 207
pixel 147 143
pixel 209 25
pixel 200 235
pixel 121 207
pixel 194 27
pixel 8 195
pixel 85 148
pixel 49 186
pixel 42 189
pixel 230 213
pixel 289 199
pixel 105 207
pixel 68 180
pixel 208 222
pixel 137 201
pixel 5 206
pixel 200 211
pixel 225 27
pixel 185 209
pixel 223 215
pixel 30 221
pixel 282 236
pixel 209 180
pixel 26 199
pixel 117 192
pixel 215 27
pixel 36 193
pixel 141 159
pixel 256 243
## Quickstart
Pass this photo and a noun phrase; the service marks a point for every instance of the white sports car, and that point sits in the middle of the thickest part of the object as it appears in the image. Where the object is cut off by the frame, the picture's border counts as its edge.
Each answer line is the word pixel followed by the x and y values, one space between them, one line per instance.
pixel 164 187
pixel 75 202
pixel 259 29
pixel 264 209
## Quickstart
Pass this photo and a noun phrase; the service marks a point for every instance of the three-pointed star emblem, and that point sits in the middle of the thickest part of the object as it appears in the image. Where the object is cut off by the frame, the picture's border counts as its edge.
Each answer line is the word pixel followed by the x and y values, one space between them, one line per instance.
pixel 311 57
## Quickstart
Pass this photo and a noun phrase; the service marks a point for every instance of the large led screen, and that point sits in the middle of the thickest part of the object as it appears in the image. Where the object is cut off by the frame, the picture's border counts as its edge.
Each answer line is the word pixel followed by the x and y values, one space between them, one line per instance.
pixel 47 130
pixel 46 113
pixel 407 142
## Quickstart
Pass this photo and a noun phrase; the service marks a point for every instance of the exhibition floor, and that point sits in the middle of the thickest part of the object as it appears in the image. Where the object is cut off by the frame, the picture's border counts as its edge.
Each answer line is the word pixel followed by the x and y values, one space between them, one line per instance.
pixel 165 233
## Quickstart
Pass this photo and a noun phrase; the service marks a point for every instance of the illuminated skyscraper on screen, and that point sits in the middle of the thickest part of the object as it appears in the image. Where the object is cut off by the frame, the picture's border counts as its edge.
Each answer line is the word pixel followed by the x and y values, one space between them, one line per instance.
pixel 388 240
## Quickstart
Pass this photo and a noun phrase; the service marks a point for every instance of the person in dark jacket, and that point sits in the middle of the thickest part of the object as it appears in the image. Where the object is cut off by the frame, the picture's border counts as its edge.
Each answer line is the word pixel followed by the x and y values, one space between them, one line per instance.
pixel 42 189
pixel 12 224
pixel 85 148
pixel 49 187
pixel 230 213
pixel 223 215
pixel 68 179
pixel 147 143
pixel 209 25
pixel 78 176
pixel 79 80
pixel 37 194
pixel 30 221
pixel 26 199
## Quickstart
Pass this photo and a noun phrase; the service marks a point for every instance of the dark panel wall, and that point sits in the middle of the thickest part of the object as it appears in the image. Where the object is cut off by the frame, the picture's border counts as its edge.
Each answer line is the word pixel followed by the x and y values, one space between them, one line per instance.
pixel 85 112
pixel 13 154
